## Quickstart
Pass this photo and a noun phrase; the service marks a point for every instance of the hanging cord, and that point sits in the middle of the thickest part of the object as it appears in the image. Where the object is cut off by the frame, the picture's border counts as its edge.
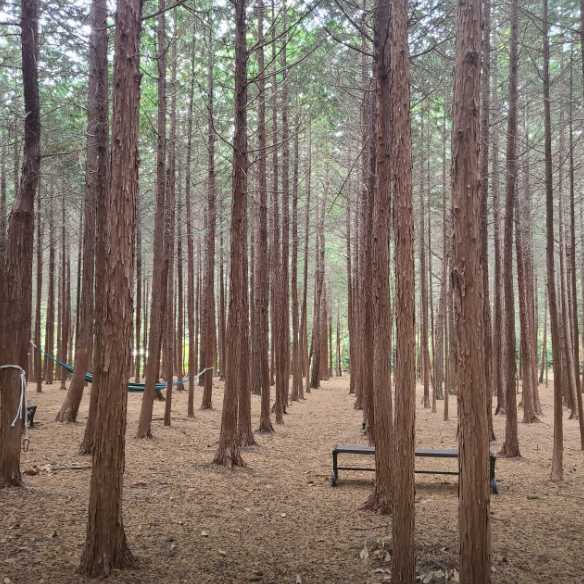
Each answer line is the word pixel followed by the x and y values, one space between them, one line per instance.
pixel 203 371
pixel 21 412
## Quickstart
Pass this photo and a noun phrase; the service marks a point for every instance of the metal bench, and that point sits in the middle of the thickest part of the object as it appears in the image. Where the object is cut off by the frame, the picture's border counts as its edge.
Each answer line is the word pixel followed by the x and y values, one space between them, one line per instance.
pixel 362 450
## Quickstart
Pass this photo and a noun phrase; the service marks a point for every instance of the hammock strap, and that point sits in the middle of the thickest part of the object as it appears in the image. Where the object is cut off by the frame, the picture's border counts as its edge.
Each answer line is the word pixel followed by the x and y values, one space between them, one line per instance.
pixel 21 413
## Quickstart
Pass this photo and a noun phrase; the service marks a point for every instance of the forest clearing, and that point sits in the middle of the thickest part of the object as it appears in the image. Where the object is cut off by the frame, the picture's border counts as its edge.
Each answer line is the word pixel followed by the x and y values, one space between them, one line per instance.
pixel 247 245
pixel 190 521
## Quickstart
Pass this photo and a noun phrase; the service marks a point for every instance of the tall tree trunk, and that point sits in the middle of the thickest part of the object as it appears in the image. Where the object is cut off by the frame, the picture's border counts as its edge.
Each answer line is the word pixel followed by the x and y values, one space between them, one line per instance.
pixel 50 318
pixel 198 299
pixel 96 184
pixel 510 446
pixel 296 365
pixel 169 236
pixel 528 381
pixel 261 266
pixel 275 229
pixel 557 470
pixel 572 260
pixel 180 309
pixel 338 353
pixel 3 204
pixel 221 344
pixel 403 568
pixel 317 324
pixel 105 545
pixel 569 377
pixel 468 292
pixel 208 324
pixel 283 379
pixel 485 121
pixel 63 323
pixel 304 315
pixel 350 306
pixel 381 498
pixel 159 260
pixel 16 272
pixel 38 370
pixel 190 242
pixel 237 337
pixel 138 320
pixel 424 353
pixel 358 365
pixel 498 341
pixel 543 366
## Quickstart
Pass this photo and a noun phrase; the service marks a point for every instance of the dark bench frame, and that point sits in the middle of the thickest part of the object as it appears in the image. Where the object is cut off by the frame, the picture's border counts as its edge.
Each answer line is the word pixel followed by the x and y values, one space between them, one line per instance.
pixel 420 452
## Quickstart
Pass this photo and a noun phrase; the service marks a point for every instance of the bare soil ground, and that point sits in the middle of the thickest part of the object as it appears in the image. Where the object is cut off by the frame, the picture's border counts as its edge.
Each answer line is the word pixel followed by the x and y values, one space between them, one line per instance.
pixel 278 520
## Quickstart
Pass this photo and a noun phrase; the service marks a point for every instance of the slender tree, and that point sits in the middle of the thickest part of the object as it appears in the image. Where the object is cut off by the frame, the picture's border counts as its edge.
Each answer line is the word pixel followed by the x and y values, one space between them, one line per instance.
pixel 403 568
pixel 228 451
pixel 424 350
pixel 105 545
pixel 510 446
pixel 261 265
pixel 557 470
pixel 381 498
pixel 468 292
pixel 169 237
pixel 16 272
pixel 38 371
pixel 160 258
pixel 485 120
pixel 96 184
pixel 50 317
pixel 208 324
pixel 190 240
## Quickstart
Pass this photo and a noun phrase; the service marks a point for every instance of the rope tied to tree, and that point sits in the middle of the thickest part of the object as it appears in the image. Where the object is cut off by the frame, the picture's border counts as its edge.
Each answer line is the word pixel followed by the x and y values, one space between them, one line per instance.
pixel 21 412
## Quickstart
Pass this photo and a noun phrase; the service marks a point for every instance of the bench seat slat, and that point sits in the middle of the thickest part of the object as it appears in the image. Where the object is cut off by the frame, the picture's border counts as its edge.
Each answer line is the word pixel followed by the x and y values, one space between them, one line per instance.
pixel 364 450
pixel 430 452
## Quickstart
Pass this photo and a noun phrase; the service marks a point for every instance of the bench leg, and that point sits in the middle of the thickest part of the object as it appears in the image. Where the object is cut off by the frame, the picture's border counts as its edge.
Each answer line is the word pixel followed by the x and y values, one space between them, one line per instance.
pixel 335 473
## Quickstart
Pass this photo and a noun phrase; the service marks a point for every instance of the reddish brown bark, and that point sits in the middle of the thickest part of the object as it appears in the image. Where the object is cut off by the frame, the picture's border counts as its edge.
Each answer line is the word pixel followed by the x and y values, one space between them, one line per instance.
pixel 424 352
pixel 105 545
pixel 283 369
pixel 403 569
pixel 510 446
pixel 160 258
pixel 96 184
pixel 169 237
pixel 381 498
pixel 296 364
pixel 38 371
pixel 50 317
pixel 304 313
pixel 16 269
pixel 261 266
pixel 191 308
pixel 208 324
pixel 468 292
pixel 572 264
pixel 485 91
pixel 557 469
pixel 228 451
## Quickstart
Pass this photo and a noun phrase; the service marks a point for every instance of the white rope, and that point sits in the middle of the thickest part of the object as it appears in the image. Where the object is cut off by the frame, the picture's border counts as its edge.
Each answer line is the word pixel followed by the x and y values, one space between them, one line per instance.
pixel 204 371
pixel 21 412
pixel 182 380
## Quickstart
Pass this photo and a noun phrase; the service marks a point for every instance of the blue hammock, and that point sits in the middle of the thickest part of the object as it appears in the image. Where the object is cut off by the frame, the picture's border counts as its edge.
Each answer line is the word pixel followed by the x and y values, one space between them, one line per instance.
pixel 133 387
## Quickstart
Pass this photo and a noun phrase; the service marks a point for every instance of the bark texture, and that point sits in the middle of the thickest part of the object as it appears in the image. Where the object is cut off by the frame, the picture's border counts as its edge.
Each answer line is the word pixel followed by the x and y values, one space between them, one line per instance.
pixel 105 546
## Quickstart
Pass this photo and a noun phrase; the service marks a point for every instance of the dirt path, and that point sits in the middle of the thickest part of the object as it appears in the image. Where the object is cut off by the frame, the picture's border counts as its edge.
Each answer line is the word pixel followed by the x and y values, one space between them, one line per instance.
pixel 278 520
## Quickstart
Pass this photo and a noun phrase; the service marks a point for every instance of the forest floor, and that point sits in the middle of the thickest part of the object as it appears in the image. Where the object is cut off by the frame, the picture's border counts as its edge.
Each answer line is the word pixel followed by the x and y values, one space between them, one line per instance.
pixel 277 520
